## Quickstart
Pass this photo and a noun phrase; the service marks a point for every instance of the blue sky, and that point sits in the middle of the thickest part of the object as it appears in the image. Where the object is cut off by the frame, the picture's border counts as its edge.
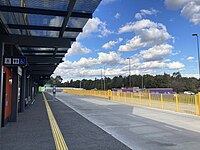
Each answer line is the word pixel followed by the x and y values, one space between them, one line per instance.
pixel 155 34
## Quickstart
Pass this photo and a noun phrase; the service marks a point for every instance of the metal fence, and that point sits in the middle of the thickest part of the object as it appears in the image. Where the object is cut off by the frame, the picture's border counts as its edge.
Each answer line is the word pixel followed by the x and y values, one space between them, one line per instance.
pixel 174 102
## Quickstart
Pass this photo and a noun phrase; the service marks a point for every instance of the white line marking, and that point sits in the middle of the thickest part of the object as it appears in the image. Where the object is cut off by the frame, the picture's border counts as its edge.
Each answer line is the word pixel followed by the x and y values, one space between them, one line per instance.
pixel 109 108
pixel 172 128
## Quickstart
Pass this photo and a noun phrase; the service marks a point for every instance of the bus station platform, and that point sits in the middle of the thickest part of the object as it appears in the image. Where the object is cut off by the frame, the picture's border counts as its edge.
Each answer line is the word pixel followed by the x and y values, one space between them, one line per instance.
pixel 35 131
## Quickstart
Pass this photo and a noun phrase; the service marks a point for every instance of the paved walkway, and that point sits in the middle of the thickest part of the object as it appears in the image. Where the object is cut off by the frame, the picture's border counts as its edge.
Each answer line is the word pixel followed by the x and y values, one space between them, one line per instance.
pixel 33 131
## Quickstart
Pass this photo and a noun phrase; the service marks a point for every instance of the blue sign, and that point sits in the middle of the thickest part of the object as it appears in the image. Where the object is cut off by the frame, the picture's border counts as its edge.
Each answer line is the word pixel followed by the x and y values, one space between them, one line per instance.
pixel 22 61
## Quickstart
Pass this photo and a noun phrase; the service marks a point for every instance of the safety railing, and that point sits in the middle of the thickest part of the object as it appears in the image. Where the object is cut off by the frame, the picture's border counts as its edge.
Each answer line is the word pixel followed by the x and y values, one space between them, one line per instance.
pixel 174 102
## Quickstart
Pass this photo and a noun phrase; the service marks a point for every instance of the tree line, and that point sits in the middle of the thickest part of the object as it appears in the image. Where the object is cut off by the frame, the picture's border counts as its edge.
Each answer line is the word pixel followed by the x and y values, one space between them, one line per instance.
pixel 175 81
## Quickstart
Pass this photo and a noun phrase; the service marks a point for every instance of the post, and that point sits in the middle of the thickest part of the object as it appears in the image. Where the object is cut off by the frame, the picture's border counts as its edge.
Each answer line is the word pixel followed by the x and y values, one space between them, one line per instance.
pixel 104 83
pixel 176 102
pixel 125 100
pixel 14 104
pixel 132 100
pixel 150 99
pixel 198 54
pixel 118 95
pixel 109 94
pixel 197 104
pixel 161 99
pixel 23 90
pixel 140 96
pixel 27 89
pixel 142 82
pixel 101 80
pixel 129 71
pixel 1 80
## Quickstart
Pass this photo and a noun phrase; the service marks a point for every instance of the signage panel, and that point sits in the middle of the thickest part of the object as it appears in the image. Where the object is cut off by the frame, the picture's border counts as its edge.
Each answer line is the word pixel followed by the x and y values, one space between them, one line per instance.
pixel 14 61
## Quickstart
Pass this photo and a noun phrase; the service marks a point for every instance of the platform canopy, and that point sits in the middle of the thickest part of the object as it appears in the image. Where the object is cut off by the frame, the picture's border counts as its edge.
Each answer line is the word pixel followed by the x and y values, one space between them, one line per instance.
pixel 43 30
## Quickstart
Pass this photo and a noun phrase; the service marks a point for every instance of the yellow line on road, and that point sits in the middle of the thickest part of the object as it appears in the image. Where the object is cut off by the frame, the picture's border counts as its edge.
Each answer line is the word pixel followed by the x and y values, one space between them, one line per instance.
pixel 57 135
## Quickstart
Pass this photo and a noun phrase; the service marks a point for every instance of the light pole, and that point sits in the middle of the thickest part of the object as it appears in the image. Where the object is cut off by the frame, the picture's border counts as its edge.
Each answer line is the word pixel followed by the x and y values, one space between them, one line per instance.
pixel 101 80
pixel 198 53
pixel 80 84
pixel 104 83
pixel 129 71
pixel 142 82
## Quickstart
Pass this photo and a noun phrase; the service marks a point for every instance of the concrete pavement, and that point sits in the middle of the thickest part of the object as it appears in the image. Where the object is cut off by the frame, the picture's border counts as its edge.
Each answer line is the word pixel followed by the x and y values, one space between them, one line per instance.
pixel 137 127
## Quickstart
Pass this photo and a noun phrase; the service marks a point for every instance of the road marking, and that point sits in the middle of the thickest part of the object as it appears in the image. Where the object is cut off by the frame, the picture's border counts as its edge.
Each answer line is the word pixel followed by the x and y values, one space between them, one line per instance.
pixel 52 100
pixel 109 108
pixel 57 135
pixel 172 128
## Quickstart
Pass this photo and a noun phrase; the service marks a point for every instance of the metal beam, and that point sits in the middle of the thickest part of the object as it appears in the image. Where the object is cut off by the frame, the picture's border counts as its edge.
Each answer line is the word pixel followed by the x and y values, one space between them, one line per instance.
pixel 42 72
pixel 36 41
pixel 66 19
pixel 42 67
pixel 42 64
pixel 48 12
pixel 53 56
pixel 47 28
pixel 40 60
pixel 43 51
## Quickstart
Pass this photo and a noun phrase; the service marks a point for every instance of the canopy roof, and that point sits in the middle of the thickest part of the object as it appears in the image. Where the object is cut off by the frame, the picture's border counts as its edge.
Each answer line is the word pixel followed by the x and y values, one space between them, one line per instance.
pixel 43 30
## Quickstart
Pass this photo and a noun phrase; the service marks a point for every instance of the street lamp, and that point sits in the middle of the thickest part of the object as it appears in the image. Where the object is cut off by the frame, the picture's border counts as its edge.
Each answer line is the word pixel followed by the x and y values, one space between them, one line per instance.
pixel 104 83
pixel 129 72
pixel 198 53
pixel 142 82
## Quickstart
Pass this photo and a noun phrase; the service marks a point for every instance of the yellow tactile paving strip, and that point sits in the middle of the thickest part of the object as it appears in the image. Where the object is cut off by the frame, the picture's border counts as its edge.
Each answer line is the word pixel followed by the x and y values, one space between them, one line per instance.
pixel 57 135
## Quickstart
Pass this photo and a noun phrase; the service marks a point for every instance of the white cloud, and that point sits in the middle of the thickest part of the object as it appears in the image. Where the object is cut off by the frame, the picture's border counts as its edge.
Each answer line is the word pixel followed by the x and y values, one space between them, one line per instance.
pixel 192 12
pixel 77 48
pixel 137 26
pixel 114 65
pixel 148 33
pixel 157 52
pixel 144 12
pixel 189 9
pixel 175 65
pixel 117 15
pixel 176 53
pixel 110 44
pixel 90 67
pixel 152 65
pixel 111 58
pixel 107 1
pixel 176 4
pixel 95 25
pixel 191 75
pixel 190 58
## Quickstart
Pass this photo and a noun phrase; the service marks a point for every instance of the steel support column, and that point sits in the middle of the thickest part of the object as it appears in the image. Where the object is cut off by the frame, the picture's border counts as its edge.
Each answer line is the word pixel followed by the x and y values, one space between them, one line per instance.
pixel 31 85
pixel 14 104
pixel 1 79
pixel 27 89
pixel 23 91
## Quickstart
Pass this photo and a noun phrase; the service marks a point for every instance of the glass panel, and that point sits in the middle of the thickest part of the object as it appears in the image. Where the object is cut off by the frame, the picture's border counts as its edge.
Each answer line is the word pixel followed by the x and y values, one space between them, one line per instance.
pixel 71 34
pixel 77 22
pixel 43 20
pixel 88 6
pixel 43 4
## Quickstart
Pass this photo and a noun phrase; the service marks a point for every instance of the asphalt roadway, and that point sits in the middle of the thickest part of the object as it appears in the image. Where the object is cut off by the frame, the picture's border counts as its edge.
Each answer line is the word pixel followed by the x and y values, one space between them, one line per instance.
pixel 136 127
